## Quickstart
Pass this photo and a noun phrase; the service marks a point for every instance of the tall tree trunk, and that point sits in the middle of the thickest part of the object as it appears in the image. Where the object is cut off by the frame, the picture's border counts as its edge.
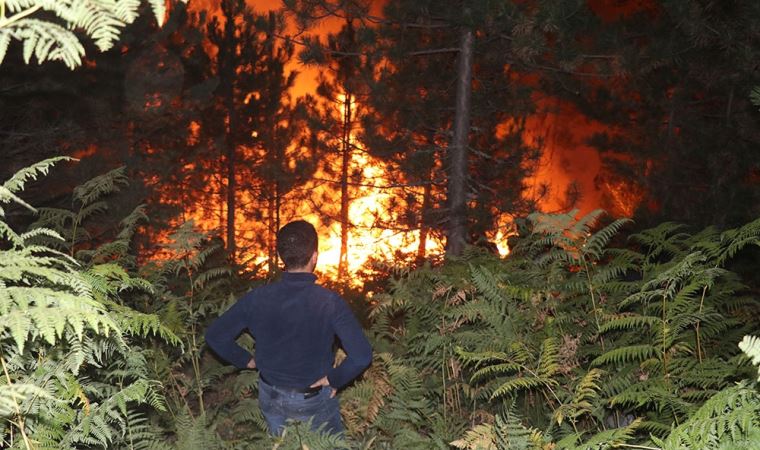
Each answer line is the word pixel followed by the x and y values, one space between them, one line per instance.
pixel 274 148
pixel 457 182
pixel 344 200
pixel 277 207
pixel 271 237
pixel 231 247
pixel 274 205
pixel 227 75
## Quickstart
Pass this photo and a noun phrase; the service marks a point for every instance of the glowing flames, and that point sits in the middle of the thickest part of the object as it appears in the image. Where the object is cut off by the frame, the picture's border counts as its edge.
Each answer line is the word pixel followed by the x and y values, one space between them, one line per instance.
pixel 568 165
pixel 366 240
pixel 570 168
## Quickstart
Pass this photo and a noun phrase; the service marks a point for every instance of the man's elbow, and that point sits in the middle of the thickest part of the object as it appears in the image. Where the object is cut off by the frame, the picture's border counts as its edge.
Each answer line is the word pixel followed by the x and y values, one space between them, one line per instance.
pixel 365 358
pixel 213 340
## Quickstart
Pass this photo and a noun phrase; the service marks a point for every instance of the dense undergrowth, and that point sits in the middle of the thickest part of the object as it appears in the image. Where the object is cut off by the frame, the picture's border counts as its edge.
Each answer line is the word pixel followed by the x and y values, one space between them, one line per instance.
pixel 582 338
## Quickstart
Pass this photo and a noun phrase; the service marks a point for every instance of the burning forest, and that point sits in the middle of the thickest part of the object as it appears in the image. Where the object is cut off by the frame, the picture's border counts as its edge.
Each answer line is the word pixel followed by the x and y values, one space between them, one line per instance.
pixel 464 224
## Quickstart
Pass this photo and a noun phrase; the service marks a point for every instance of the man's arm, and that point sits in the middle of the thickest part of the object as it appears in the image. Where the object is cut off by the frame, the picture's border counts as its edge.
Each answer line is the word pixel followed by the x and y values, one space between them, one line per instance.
pixel 221 335
pixel 355 344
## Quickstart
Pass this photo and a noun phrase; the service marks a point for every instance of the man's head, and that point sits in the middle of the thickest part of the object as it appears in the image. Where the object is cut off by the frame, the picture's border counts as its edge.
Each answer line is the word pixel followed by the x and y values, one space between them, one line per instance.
pixel 297 245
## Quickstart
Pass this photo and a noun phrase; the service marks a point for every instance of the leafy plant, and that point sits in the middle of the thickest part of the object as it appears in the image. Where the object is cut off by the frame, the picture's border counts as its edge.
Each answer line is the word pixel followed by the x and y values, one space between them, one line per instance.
pixel 46 29
pixel 596 346
pixel 72 373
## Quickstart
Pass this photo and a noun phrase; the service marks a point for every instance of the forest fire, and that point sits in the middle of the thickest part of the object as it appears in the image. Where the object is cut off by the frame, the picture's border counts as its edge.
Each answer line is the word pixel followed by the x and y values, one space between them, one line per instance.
pixel 141 305
pixel 567 176
pixel 372 192
pixel 570 168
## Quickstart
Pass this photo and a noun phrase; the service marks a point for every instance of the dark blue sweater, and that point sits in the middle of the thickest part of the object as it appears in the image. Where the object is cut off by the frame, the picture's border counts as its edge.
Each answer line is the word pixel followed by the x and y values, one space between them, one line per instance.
pixel 294 322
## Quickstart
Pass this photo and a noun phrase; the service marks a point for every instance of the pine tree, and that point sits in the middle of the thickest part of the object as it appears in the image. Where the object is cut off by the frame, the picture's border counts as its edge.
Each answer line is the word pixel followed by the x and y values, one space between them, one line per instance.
pixel 430 51
pixel 340 105
pixel 256 117
pixel 281 160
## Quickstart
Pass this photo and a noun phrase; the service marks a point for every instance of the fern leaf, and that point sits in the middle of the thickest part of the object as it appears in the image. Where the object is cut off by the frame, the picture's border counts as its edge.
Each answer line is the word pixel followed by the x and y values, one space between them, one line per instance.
pixel 521 383
pixel 622 355
pixel 609 439
pixel 5 41
pixel 17 182
pixel 101 185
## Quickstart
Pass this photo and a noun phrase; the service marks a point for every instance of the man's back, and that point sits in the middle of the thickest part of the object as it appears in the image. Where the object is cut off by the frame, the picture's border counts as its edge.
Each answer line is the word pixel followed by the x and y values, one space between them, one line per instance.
pixel 294 322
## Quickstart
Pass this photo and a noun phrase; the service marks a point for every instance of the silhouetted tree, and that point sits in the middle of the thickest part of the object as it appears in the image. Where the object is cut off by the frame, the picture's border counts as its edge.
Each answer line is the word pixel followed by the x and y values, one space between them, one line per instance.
pixel 340 104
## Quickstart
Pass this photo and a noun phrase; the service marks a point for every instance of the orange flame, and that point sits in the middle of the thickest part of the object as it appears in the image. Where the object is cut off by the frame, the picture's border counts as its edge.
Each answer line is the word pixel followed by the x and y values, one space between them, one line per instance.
pixel 569 164
pixel 567 160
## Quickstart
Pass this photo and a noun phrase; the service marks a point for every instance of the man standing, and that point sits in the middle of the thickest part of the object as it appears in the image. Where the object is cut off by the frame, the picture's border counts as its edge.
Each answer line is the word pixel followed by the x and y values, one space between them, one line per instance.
pixel 294 322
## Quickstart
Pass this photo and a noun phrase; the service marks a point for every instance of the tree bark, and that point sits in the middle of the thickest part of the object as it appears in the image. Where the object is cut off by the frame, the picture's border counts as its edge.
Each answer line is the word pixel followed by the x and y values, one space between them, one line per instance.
pixel 457 177
pixel 271 241
pixel 227 74
pixel 231 247
pixel 344 200
pixel 274 206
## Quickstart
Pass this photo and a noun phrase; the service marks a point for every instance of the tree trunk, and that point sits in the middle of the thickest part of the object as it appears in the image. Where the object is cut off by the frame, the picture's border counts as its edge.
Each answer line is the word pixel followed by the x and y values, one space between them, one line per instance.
pixel 271 237
pixel 457 182
pixel 277 207
pixel 275 199
pixel 344 200
pixel 231 248
pixel 227 75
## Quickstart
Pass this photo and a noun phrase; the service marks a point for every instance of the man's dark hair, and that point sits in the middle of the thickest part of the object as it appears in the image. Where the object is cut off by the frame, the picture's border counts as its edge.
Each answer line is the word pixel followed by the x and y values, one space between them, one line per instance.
pixel 296 242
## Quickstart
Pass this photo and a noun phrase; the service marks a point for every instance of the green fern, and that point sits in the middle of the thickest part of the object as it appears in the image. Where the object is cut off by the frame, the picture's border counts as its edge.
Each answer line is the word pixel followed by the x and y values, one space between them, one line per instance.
pixel 730 419
pixel 72 374
pixel 54 38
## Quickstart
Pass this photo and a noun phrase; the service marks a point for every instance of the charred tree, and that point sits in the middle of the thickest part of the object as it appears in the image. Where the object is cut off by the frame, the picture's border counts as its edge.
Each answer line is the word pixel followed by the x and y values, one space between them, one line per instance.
pixel 345 161
pixel 279 135
pixel 346 71
pixel 334 116
pixel 457 160
pixel 226 66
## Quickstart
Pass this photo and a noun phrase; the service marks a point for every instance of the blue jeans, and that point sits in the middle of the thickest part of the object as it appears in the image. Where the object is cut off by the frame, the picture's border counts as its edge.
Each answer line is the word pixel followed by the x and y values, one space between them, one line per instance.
pixel 279 405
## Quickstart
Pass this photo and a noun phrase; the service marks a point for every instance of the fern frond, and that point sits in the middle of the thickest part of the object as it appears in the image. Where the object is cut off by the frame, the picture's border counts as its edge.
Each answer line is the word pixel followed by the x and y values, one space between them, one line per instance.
pixel 101 185
pixel 609 439
pixel 630 322
pixel 598 241
pixel 479 437
pixel 54 38
pixel 18 181
pixel 548 362
pixel 735 240
pixel 622 355
pixel 5 42
pixel 13 395
pixel 730 419
pixel 520 383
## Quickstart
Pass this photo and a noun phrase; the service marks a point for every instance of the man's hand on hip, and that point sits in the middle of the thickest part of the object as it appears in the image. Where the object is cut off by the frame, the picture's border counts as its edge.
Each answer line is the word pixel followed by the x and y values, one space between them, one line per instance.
pixel 251 364
pixel 324 382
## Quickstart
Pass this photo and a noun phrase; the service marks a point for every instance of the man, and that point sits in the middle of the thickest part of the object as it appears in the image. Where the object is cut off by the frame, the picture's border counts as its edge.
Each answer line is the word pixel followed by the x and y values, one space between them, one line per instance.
pixel 294 323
